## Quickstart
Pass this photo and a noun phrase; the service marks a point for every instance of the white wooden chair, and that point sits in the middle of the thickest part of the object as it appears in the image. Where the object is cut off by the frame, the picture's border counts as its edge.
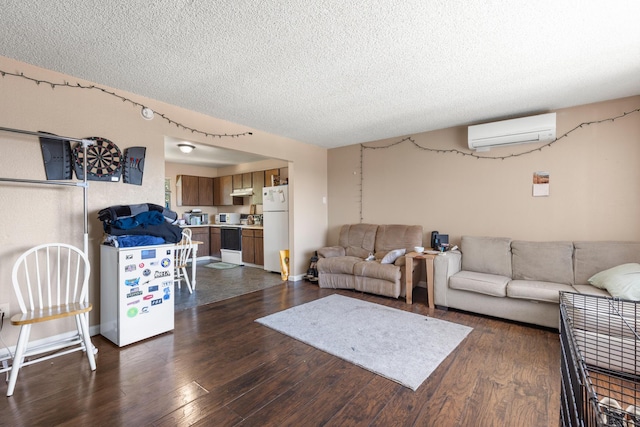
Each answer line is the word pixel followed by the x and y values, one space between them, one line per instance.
pixel 51 283
pixel 183 256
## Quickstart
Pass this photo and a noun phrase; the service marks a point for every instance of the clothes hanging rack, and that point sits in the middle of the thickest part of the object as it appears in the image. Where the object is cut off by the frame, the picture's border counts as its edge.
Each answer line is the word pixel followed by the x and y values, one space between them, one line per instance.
pixel 83 184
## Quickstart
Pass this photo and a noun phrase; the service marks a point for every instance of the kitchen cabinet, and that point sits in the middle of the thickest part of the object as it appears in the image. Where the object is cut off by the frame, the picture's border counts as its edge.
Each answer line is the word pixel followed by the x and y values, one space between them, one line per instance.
pixel 222 188
pixel 215 243
pixel 201 234
pixel 205 191
pixel 189 185
pixel 268 175
pixel 252 246
pixel 237 182
pixel 281 176
pixel 247 180
pixel 258 247
pixel 257 179
pixel 195 190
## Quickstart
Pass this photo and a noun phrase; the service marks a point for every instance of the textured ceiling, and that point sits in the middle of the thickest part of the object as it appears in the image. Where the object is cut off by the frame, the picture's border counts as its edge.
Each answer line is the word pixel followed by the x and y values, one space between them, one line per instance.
pixel 332 72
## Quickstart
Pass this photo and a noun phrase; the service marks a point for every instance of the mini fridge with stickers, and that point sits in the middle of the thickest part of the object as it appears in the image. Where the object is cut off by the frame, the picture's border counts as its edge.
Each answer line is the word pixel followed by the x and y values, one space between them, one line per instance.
pixel 136 292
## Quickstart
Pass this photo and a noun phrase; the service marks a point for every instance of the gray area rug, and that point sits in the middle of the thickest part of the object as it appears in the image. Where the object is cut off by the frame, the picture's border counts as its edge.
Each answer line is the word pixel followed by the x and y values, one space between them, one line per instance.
pixel 401 346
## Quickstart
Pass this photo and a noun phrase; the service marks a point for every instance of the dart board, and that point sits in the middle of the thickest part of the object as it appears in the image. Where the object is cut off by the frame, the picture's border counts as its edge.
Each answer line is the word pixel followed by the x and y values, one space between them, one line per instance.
pixel 104 160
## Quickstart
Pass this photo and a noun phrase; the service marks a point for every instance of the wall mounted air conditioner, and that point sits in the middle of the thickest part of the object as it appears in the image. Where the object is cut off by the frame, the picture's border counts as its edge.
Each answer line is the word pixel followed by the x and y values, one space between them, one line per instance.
pixel 540 128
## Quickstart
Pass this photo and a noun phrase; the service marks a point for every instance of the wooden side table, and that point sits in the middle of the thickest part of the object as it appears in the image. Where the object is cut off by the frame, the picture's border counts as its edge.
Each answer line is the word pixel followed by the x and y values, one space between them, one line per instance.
pixel 409 275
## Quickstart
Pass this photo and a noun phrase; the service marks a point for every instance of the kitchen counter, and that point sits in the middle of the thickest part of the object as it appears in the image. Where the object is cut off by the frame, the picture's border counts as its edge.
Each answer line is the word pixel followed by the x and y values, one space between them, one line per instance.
pixel 247 226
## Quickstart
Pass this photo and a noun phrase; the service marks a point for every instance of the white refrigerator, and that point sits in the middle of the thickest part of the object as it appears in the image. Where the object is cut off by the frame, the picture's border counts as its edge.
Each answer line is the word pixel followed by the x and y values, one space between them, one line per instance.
pixel 136 292
pixel 275 223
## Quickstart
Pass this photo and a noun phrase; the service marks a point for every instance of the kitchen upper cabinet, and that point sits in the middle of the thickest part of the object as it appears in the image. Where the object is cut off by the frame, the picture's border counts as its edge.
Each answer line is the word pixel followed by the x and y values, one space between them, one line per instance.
pixel 222 188
pixel 247 180
pixel 205 191
pixel 194 190
pixel 216 242
pixel 189 190
pixel 281 176
pixel 237 182
pixel 268 175
pixel 284 176
pixel 258 184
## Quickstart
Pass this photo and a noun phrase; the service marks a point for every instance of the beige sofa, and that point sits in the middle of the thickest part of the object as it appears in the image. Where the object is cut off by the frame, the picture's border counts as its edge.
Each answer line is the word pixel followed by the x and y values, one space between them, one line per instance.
pixel 521 280
pixel 345 266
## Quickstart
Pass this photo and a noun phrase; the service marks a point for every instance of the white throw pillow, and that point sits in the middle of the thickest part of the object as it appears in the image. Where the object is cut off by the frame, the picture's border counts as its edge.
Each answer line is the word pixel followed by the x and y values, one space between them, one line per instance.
pixel 392 256
pixel 622 281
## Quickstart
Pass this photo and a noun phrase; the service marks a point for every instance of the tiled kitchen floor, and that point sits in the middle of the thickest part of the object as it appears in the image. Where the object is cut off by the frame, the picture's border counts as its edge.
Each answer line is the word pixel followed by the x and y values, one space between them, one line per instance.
pixel 215 285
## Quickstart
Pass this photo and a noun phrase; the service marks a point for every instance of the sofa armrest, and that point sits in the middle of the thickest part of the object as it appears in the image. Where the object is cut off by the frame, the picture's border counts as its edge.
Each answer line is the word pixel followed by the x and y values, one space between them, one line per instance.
pixel 331 251
pixel 444 266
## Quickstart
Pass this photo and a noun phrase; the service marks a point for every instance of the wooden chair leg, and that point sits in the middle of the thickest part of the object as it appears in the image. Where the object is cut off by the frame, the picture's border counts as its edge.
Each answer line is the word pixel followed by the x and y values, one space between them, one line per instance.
pixel 18 357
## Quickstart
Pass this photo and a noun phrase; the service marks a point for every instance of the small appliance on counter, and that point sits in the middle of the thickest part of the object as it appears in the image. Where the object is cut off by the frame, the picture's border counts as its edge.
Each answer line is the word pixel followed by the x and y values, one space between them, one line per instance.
pixel 254 219
pixel 228 218
pixel 196 217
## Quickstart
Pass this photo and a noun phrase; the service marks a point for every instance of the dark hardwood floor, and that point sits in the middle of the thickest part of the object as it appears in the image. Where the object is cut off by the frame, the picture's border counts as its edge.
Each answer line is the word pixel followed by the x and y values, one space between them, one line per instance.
pixel 220 368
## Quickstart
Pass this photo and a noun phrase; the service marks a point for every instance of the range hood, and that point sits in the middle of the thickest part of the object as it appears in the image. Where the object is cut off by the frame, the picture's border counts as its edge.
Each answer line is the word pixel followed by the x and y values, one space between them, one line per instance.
pixel 242 192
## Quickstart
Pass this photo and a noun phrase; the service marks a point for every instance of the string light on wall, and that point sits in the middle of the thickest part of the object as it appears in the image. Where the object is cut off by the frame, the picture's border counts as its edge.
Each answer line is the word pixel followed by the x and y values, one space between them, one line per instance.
pixel 147 113
pixel 471 154
pixel 474 155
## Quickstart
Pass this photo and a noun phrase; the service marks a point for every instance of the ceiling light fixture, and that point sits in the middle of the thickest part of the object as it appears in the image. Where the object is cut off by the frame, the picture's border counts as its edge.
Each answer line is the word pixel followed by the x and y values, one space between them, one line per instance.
pixel 147 113
pixel 186 148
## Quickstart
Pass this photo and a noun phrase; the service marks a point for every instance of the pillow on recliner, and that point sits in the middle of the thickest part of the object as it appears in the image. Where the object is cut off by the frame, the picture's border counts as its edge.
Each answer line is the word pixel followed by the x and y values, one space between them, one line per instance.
pixel 392 256
pixel 622 281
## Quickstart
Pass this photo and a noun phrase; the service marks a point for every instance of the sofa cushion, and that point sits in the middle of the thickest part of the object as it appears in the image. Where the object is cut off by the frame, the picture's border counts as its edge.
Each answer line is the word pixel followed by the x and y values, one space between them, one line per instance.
pixel 357 252
pixel 376 270
pixel 592 257
pixel 338 265
pixel 331 251
pixel 336 281
pixel 543 261
pixel 488 284
pixel 378 286
pixel 591 290
pixel 490 255
pixel 537 291
pixel 622 281
pixel 358 235
pixel 390 237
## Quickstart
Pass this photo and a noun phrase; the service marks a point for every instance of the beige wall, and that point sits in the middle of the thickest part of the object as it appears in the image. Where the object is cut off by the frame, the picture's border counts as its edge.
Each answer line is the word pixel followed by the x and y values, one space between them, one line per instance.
pixel 594 189
pixel 33 215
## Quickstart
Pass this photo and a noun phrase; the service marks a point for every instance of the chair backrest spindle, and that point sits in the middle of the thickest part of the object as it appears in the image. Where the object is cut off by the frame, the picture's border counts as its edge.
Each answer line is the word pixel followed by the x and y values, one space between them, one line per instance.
pixel 51 275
